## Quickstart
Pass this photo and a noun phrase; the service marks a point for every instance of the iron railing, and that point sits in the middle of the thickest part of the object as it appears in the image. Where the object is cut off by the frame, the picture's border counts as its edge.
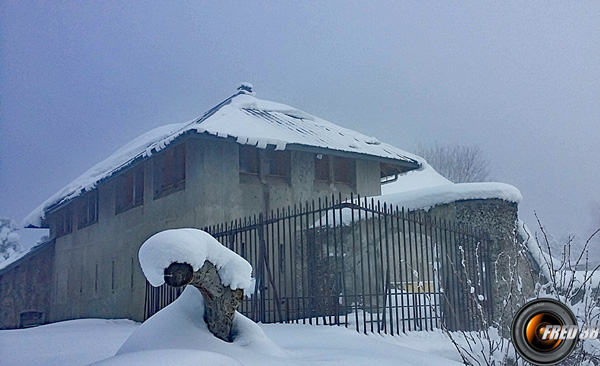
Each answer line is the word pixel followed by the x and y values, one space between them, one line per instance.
pixel 358 263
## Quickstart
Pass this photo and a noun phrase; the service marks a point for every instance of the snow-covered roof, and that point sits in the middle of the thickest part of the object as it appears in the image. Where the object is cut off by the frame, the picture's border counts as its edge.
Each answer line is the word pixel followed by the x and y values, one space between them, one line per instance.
pixel 424 177
pixel 248 120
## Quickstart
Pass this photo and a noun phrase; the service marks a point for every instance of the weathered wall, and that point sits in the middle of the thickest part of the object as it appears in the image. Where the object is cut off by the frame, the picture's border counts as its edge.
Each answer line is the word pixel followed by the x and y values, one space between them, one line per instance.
pixel 511 272
pixel 97 273
pixel 25 286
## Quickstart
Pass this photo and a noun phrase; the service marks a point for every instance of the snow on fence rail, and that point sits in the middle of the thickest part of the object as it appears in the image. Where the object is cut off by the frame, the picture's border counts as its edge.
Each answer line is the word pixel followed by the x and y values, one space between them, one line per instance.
pixel 381 269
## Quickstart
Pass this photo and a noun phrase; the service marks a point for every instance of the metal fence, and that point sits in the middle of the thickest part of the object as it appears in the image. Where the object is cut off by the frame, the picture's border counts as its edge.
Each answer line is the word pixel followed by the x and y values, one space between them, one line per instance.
pixel 360 264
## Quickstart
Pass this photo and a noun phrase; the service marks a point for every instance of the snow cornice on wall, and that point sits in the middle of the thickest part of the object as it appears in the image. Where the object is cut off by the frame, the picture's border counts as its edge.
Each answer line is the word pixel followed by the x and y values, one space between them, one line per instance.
pixel 426 198
pixel 246 120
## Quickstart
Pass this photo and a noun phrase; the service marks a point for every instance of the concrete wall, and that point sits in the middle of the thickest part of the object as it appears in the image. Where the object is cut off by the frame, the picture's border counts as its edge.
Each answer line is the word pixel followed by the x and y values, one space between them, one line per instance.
pixel 25 286
pixel 97 272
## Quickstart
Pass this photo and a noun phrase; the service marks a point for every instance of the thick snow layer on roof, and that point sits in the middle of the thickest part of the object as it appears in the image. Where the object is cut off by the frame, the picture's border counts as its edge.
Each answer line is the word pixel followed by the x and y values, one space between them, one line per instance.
pixel 424 177
pixel 141 146
pixel 194 247
pixel 247 119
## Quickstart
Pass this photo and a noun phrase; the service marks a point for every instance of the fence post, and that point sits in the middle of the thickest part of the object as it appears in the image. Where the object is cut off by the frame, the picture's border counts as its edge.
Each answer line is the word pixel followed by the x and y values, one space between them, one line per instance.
pixel 260 273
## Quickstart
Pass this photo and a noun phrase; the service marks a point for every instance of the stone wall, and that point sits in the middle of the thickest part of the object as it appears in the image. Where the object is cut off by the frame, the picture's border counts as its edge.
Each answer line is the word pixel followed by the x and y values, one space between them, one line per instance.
pixel 25 287
pixel 512 271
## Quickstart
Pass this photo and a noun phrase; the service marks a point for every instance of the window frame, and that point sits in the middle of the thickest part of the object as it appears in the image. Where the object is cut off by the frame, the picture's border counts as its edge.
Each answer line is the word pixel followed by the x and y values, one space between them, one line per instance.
pixel 87 209
pixel 248 153
pixel 170 168
pixel 129 189
pixel 324 161
pixel 279 164
pixel 64 216
pixel 338 161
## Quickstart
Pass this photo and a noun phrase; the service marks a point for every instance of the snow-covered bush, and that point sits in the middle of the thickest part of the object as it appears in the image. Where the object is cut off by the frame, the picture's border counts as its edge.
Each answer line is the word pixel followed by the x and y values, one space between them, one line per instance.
pixel 574 282
pixel 569 279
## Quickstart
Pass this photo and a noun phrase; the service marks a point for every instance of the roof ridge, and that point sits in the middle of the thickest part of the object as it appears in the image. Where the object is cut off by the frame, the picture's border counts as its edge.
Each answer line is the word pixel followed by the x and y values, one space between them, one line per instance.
pixel 210 112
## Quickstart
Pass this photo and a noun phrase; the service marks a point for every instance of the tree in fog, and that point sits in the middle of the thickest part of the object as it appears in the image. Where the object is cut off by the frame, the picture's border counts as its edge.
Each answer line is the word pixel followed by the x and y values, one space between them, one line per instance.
pixel 9 239
pixel 458 163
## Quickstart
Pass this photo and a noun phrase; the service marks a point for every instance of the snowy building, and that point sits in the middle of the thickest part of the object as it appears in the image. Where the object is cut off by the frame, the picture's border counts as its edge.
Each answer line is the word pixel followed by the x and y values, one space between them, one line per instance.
pixel 241 157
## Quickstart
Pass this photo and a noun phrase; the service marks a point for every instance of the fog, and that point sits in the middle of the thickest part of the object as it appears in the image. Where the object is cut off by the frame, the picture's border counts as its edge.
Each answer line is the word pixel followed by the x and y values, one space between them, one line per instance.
pixel 521 81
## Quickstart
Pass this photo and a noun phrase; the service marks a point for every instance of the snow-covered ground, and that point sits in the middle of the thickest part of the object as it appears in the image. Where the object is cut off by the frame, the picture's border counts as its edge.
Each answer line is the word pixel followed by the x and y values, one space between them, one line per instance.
pixel 81 342
pixel 178 334
pixel 74 342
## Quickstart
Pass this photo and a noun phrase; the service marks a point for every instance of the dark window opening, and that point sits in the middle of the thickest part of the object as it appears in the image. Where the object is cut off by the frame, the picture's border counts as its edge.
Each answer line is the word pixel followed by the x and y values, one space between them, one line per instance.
pixel 169 171
pixel 279 164
pixel 389 172
pixel 343 170
pixel 31 319
pixel 130 190
pixel 248 159
pixel 87 213
pixel 322 167
pixel 64 221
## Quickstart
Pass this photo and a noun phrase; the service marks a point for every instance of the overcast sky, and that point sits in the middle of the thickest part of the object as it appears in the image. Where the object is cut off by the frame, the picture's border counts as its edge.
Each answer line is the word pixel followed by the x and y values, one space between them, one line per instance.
pixel 78 80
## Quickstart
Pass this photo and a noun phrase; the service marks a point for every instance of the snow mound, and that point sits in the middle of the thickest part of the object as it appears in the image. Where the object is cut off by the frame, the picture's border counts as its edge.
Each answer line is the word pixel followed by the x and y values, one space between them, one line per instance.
pixel 180 326
pixel 193 246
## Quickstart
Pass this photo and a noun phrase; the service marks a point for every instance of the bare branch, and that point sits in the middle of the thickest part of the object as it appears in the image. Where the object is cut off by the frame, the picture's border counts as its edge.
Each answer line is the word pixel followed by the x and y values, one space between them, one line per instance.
pixel 458 163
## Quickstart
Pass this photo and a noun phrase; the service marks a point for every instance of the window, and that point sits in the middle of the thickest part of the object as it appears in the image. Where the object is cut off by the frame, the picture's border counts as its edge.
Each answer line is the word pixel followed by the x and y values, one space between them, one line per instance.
pixel 87 212
pixel 322 167
pixel 278 163
pixel 31 319
pixel 248 159
pixel 130 190
pixel 343 170
pixel 64 221
pixel 169 171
